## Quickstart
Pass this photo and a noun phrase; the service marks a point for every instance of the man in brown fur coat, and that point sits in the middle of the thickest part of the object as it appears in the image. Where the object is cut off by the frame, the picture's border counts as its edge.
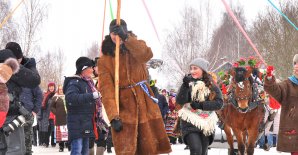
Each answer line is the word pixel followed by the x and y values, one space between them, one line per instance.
pixel 138 129
pixel 286 93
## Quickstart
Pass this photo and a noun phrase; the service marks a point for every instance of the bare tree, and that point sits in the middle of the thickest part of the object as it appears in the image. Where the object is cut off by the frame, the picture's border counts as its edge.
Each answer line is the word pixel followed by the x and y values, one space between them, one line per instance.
pixel 60 60
pixel 183 44
pixel 51 67
pixel 9 31
pixel 276 38
pixel 34 14
pixel 227 40
pixel 93 51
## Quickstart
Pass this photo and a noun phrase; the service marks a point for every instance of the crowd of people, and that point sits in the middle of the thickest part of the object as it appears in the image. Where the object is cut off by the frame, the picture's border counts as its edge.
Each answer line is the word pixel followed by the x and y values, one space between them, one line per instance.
pixel 82 112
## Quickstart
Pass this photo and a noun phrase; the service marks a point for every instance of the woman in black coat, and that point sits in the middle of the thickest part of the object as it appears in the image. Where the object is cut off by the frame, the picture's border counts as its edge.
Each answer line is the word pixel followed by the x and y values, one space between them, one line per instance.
pixel 200 97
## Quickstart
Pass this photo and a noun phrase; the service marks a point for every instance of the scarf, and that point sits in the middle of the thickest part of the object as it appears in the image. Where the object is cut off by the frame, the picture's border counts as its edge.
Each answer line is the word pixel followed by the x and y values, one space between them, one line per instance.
pixel 293 79
pixel 204 120
pixel 46 98
pixel 100 123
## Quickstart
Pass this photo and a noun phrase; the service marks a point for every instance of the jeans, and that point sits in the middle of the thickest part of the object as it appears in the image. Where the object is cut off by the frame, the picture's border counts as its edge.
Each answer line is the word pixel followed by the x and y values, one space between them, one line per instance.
pixel 80 146
pixel 269 140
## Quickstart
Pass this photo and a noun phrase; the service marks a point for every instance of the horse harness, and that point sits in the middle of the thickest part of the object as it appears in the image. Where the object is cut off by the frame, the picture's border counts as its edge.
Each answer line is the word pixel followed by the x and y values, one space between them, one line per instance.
pixel 253 101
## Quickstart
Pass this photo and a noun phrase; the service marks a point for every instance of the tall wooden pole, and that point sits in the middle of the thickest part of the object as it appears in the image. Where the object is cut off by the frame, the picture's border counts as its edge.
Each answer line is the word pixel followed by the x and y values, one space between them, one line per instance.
pixel 117 58
pixel 10 14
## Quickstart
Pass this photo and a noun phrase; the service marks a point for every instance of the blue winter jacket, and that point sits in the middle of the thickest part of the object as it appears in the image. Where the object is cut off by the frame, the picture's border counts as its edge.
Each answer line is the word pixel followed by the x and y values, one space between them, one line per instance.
pixel 80 107
pixel 31 99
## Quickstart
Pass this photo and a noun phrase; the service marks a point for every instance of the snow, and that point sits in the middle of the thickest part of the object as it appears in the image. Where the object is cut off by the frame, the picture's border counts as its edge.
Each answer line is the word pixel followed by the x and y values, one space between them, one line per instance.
pixel 177 149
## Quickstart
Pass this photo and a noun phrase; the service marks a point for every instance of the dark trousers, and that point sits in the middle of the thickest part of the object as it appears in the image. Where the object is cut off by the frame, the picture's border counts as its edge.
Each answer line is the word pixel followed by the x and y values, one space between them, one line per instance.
pixel 28 130
pixel 51 133
pixel 102 142
pixel 198 143
pixel 109 141
pixel 34 140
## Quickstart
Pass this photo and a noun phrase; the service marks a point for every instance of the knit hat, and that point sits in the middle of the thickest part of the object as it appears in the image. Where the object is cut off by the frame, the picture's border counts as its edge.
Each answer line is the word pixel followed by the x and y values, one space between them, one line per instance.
pixel 122 23
pixel 9 67
pixel 200 62
pixel 83 63
pixel 15 48
pixel 5 54
pixel 295 59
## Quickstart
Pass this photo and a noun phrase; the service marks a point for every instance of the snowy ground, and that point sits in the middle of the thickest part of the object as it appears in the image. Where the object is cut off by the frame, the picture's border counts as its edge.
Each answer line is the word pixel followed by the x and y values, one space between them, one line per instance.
pixel 178 149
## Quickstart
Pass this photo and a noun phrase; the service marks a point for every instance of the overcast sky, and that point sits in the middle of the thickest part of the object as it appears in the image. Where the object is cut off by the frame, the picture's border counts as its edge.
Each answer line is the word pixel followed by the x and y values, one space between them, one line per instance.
pixel 73 25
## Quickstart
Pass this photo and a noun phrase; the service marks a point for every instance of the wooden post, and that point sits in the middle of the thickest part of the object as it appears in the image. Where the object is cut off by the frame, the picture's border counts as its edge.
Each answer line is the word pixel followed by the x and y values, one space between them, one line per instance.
pixel 117 58
pixel 10 14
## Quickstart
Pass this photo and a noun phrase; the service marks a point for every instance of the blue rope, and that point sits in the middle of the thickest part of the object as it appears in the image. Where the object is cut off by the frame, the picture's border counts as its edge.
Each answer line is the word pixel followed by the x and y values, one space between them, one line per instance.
pixel 146 90
pixel 284 15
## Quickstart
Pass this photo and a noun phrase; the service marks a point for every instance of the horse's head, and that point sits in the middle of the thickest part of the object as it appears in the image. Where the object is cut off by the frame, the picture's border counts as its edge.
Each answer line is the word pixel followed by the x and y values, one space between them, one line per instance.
pixel 242 86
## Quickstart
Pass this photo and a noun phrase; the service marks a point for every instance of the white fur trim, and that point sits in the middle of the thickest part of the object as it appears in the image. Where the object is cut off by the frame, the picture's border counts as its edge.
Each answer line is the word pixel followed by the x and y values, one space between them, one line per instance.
pixel 207 125
pixel 199 91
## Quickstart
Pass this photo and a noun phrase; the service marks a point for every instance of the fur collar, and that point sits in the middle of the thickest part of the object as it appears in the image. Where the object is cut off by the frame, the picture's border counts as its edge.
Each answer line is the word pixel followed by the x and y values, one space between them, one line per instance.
pixel 108 47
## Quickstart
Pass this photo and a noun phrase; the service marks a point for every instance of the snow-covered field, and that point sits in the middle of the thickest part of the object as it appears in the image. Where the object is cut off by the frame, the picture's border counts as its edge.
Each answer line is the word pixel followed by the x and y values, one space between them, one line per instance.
pixel 178 149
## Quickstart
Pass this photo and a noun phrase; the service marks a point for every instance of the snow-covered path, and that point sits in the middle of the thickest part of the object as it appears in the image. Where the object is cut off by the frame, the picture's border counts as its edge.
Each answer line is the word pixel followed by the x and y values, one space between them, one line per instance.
pixel 178 149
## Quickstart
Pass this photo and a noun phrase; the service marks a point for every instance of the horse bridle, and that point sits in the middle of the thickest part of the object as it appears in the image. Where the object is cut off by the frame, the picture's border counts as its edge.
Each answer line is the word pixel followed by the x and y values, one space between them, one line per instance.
pixel 234 100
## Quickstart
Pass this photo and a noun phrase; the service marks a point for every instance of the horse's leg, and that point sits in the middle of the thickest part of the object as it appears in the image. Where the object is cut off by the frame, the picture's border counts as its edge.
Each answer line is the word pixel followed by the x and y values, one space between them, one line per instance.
pixel 239 136
pixel 252 137
pixel 230 139
pixel 244 134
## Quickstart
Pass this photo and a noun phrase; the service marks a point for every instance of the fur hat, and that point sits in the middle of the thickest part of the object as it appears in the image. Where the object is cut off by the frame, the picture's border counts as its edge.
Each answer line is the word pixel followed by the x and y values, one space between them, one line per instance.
pixel 9 67
pixel 5 54
pixel 15 48
pixel 122 23
pixel 295 59
pixel 200 62
pixel 83 63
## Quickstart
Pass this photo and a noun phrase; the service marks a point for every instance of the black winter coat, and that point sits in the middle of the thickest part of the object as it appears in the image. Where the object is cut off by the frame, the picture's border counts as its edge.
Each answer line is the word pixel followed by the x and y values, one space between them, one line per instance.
pixel 24 78
pixel 184 96
pixel 80 107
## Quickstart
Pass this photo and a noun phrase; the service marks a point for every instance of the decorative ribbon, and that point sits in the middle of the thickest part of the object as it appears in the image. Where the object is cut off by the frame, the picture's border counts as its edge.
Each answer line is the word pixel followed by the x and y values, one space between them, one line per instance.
pixel 111 10
pixel 283 15
pixel 145 89
pixel 103 26
pixel 242 30
pixel 148 12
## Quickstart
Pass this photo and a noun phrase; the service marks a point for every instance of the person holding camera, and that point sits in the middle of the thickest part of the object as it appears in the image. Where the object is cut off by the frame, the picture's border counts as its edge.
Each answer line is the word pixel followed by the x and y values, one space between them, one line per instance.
pixel 9 67
pixel 81 97
pixel 30 98
pixel 17 114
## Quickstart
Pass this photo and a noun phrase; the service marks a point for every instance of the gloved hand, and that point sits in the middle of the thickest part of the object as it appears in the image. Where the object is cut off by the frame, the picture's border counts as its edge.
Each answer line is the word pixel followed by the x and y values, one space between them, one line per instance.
pixel 117 125
pixel 29 62
pixel 187 79
pixel 96 94
pixel 196 105
pixel 269 72
pixel 119 30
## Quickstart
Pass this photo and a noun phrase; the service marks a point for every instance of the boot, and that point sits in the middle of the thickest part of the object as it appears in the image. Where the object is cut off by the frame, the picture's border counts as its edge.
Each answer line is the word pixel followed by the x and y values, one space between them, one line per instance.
pixel 109 150
pixel 100 150
pixel 91 151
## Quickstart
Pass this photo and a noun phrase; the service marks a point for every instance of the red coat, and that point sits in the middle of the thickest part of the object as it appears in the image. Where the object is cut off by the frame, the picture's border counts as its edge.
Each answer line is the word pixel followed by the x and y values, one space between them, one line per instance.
pixel 4 103
pixel 273 103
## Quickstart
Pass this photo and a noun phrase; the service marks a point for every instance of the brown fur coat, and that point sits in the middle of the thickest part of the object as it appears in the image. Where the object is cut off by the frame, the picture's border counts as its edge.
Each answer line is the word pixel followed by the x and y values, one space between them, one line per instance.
pixel 286 93
pixel 143 129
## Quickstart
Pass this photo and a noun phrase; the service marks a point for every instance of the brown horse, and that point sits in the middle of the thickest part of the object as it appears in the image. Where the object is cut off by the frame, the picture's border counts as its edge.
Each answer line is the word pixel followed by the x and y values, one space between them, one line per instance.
pixel 242 112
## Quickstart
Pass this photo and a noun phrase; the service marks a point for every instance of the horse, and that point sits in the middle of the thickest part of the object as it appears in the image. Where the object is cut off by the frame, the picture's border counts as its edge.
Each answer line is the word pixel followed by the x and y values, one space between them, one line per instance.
pixel 242 112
